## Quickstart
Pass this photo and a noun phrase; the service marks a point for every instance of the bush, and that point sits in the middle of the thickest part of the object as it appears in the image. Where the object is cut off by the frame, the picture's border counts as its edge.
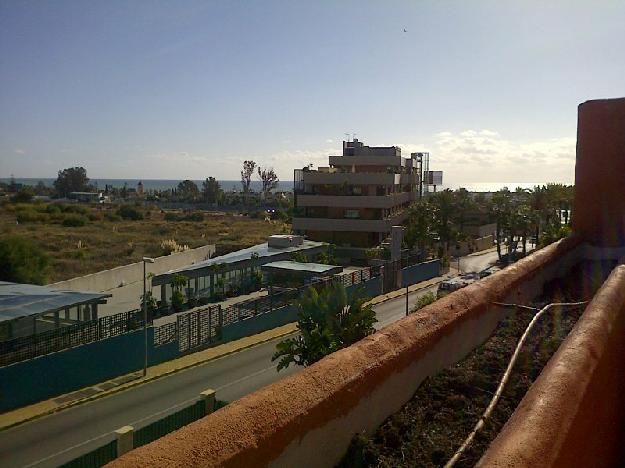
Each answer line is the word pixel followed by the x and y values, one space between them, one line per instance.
pixel 74 209
pixel 196 217
pixel 172 217
pixel 73 220
pixel 95 216
pixel 25 195
pixel 31 216
pixel 177 300
pixel 112 217
pixel 23 261
pixel 130 212
pixel 424 300
pixel 54 209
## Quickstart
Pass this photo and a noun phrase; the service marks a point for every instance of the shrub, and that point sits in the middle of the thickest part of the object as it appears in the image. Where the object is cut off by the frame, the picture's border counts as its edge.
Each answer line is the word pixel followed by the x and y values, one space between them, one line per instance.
pixel 31 216
pixel 54 209
pixel 23 261
pixel 74 209
pixel 424 300
pixel 196 217
pixel 112 217
pixel 73 220
pixel 95 216
pixel 130 212
pixel 170 246
pixel 172 217
pixel 25 195
pixel 177 300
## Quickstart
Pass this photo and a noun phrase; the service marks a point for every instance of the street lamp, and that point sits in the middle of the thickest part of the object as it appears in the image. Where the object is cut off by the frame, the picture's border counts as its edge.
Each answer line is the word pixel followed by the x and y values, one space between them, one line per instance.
pixel 145 319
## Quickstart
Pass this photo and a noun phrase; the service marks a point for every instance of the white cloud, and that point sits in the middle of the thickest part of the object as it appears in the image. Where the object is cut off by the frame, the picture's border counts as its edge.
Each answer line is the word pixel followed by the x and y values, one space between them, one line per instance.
pixel 485 156
pixel 19 151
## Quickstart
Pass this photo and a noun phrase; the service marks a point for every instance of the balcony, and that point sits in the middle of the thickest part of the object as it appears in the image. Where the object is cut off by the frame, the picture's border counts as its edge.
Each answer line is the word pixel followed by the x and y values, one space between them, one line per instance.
pixel 342 224
pixel 393 161
pixel 351 178
pixel 354 201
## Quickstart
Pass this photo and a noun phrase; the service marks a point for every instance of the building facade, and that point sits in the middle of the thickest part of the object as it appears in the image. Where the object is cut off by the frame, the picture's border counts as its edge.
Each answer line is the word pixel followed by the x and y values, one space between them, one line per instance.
pixel 356 199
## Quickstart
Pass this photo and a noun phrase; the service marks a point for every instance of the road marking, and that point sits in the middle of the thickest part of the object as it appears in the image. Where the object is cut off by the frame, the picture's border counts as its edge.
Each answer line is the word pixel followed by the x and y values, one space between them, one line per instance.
pixel 245 378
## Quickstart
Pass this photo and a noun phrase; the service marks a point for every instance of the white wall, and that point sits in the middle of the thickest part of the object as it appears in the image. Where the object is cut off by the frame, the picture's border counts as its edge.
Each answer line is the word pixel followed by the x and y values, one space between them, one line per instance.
pixel 125 283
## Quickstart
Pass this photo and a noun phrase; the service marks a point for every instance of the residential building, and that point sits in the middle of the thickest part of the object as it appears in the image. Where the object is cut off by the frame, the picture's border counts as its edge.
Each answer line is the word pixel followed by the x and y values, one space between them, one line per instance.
pixel 356 200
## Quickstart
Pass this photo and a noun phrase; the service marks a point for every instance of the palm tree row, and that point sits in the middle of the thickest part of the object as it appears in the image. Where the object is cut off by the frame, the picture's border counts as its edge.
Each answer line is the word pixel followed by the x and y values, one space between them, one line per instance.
pixel 541 214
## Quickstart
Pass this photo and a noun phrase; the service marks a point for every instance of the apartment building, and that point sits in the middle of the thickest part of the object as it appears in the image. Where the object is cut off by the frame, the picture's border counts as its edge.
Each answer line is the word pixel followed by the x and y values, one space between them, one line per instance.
pixel 358 197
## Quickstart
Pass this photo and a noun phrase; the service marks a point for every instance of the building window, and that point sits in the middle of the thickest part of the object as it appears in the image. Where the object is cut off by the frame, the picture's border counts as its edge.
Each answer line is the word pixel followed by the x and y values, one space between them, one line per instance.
pixel 352 214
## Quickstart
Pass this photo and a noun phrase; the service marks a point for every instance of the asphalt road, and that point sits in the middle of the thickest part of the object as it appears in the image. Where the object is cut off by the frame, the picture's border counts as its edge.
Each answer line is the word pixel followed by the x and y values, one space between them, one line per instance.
pixel 63 436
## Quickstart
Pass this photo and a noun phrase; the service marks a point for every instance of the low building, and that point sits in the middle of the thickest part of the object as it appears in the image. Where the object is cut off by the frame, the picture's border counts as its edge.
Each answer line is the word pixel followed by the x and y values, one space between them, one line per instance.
pixel 290 273
pixel 26 309
pixel 232 273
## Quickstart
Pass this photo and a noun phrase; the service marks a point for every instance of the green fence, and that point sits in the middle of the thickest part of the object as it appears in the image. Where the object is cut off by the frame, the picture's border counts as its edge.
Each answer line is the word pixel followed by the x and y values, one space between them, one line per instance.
pixel 96 458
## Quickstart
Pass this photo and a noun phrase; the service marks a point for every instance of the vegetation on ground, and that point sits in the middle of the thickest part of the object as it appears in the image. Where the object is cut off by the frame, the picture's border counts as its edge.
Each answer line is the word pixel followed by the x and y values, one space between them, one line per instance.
pixel 328 320
pixel 424 300
pixel 102 239
pixel 23 261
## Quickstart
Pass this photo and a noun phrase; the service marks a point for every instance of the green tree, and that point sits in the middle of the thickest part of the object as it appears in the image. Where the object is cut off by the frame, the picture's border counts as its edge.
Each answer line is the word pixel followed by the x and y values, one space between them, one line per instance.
pixel 187 191
pixel 444 209
pixel 246 175
pixel 23 261
pixel 328 320
pixel 269 179
pixel 72 179
pixel 419 232
pixel 502 207
pixel 328 255
pixel 25 195
pixel 211 190
pixel 178 282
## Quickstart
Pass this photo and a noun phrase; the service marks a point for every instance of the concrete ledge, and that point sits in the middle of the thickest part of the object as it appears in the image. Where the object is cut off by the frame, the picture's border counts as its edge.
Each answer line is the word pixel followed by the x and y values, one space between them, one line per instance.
pixel 573 415
pixel 309 419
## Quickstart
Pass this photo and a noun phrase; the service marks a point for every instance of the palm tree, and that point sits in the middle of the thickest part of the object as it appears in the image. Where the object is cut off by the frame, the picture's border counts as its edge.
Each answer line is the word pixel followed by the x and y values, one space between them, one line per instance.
pixel 328 320
pixel 420 224
pixel 501 204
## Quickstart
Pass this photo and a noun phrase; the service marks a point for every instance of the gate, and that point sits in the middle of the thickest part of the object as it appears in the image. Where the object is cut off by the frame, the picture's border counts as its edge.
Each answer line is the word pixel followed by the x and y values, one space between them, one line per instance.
pixel 198 328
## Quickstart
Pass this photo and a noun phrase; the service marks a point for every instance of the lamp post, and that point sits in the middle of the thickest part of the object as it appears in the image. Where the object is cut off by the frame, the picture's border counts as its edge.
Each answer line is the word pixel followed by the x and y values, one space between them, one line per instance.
pixel 145 318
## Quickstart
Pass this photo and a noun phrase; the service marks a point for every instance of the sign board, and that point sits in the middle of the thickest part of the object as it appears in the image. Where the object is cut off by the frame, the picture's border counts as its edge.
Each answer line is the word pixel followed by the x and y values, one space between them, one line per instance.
pixel 434 178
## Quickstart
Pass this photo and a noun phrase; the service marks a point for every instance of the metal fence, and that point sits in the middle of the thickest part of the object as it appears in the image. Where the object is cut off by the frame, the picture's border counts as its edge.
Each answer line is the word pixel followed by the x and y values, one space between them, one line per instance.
pixel 29 347
pixel 96 458
pixel 170 423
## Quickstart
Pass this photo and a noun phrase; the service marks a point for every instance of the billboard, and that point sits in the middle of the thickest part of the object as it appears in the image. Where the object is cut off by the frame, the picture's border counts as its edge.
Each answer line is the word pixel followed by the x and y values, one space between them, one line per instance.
pixel 434 178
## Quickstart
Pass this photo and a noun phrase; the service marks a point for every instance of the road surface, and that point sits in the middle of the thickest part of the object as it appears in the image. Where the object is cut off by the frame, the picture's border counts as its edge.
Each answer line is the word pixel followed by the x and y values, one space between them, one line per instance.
pixel 63 436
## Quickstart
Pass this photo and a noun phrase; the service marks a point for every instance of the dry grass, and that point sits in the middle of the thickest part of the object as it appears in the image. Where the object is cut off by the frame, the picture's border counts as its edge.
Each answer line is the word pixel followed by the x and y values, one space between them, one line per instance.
pixel 103 244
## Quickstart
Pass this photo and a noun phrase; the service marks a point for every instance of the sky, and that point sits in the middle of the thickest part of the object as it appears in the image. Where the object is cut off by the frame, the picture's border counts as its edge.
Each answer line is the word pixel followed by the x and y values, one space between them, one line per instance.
pixel 175 90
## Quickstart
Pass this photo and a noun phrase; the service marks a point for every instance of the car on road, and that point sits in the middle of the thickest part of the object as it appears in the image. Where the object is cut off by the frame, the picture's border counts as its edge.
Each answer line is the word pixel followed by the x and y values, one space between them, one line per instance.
pixel 456 283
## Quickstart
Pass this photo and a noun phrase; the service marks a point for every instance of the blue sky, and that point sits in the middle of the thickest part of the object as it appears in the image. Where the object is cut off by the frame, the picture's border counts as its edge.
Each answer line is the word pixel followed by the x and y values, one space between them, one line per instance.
pixel 151 89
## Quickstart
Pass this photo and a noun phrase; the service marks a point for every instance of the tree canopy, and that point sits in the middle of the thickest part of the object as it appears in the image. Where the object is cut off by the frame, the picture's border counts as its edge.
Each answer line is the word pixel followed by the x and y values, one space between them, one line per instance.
pixel 23 261
pixel 268 178
pixel 246 175
pixel 328 320
pixel 187 191
pixel 72 179
pixel 211 190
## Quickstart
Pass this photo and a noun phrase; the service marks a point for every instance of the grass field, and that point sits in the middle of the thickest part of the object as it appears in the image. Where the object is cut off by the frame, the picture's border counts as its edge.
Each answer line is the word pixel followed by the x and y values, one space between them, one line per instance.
pixel 106 240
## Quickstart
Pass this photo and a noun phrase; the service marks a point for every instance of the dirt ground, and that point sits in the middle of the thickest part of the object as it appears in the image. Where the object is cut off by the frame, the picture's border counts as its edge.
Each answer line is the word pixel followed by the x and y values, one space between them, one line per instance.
pixel 428 430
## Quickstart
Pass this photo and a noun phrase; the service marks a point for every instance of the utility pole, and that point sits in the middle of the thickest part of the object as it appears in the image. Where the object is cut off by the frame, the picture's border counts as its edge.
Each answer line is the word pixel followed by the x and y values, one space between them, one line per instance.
pixel 145 319
pixel 406 300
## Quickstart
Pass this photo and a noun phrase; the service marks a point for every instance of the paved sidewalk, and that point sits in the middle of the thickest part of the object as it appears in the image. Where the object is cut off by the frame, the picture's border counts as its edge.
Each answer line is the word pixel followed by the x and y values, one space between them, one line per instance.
pixel 104 389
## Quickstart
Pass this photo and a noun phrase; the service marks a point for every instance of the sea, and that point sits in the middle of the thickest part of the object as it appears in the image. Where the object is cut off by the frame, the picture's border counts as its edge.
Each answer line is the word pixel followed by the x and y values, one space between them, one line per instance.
pixel 283 185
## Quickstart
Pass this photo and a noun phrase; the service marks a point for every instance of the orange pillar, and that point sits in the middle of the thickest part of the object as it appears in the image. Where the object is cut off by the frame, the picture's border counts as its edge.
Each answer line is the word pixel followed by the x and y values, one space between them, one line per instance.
pixel 599 207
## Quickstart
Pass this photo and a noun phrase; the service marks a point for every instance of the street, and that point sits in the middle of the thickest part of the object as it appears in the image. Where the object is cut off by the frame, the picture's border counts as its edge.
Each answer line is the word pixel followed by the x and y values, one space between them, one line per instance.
pixel 63 436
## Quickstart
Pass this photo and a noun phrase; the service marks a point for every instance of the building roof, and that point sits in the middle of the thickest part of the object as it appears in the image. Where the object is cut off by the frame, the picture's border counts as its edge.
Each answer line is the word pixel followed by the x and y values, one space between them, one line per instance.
pixel 22 300
pixel 238 259
pixel 316 268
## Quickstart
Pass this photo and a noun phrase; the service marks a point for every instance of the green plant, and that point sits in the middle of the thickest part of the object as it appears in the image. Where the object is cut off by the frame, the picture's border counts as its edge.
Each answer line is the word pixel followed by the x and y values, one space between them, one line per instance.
pixel 129 212
pixel 422 301
pixel 73 220
pixel 23 261
pixel 327 321
pixel 171 216
pixel 327 257
pixel 177 300
pixel 299 257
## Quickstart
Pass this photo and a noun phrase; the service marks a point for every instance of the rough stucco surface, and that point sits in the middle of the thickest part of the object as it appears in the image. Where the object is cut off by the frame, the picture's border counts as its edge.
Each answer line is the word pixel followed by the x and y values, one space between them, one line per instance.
pixel 256 430
pixel 573 414
pixel 599 213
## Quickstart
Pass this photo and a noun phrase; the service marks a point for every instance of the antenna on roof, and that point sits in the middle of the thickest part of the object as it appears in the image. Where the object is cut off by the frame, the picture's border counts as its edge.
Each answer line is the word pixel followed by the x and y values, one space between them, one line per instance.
pixel 346 136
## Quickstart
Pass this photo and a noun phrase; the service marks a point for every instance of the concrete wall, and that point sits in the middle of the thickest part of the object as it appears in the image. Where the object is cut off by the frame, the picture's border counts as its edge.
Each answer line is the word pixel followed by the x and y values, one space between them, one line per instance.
pixel 574 414
pixel 128 297
pixel 420 272
pixel 309 419
pixel 599 213
pixel 54 374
